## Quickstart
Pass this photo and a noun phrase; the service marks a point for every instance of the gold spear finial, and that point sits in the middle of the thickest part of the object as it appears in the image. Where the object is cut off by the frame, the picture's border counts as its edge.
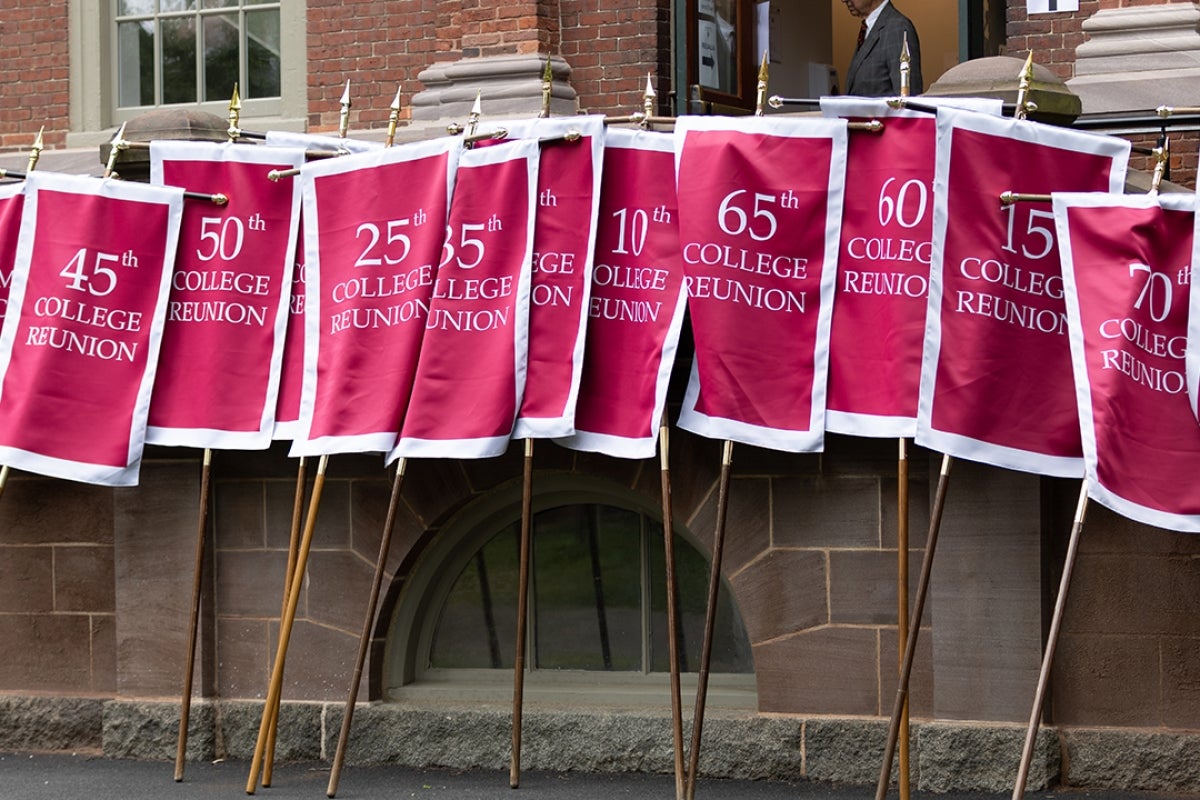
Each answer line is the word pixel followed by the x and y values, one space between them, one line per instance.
pixel 393 118
pixel 1162 157
pixel 648 98
pixel 235 115
pixel 1025 81
pixel 905 68
pixel 35 152
pixel 547 85
pixel 344 122
pixel 761 98
pixel 115 146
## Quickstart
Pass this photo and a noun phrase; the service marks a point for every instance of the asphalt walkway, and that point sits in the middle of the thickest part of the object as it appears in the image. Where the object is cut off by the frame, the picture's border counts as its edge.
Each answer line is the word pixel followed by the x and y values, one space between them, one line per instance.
pixel 38 776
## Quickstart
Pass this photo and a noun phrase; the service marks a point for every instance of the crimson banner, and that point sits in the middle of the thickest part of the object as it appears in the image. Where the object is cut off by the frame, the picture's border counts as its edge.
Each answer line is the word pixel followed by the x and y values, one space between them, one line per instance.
pixel 218 378
pixel 637 303
pixel 374 224
pixel 472 367
pixel 760 210
pixel 996 372
pixel 564 241
pixel 1126 270
pixel 12 200
pixel 80 341
pixel 291 377
pixel 878 325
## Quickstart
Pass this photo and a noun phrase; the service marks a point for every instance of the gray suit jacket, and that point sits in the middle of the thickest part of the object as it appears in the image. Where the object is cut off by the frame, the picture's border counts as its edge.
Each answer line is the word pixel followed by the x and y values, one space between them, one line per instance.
pixel 875 69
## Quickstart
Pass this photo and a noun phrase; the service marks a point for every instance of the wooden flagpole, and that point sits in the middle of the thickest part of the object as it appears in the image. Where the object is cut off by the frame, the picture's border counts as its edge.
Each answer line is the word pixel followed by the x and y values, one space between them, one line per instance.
pixel 289 576
pixel 1060 603
pixel 514 769
pixel 902 498
pixel 914 627
pixel 364 640
pixel 285 624
pixel 185 704
pixel 710 617
pixel 672 615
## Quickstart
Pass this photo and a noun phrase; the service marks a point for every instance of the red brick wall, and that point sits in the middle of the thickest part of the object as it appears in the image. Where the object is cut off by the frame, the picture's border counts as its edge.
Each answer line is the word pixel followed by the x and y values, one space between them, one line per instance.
pixel 34 74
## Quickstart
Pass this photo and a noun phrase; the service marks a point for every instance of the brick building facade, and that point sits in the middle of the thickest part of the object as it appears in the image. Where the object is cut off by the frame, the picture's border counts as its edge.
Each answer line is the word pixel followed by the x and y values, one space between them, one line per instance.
pixel 94 583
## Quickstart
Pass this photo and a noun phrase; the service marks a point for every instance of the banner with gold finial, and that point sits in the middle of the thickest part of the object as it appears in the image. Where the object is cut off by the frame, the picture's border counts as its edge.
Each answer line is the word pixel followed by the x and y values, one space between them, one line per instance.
pixel 218 380
pixel 886 248
pixel 471 373
pixel 1126 271
pixel 760 211
pixel 374 225
pixel 12 201
pixel 80 341
pixel 564 243
pixel 996 366
pixel 637 304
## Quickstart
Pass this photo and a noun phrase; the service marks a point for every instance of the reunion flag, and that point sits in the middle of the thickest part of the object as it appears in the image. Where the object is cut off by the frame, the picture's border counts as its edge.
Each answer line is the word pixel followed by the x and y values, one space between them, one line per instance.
pixel 222 347
pixel 995 378
pixel 637 303
pixel 291 373
pixel 374 224
pixel 564 241
pixel 1126 272
pixel 760 209
pixel 886 248
pixel 12 200
pixel 80 341
pixel 472 368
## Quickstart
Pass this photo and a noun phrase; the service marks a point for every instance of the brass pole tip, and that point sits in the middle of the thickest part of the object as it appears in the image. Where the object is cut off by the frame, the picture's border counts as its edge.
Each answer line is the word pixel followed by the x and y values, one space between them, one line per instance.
pixel 1164 111
pixel 220 199
pixel 1008 198
pixel 775 101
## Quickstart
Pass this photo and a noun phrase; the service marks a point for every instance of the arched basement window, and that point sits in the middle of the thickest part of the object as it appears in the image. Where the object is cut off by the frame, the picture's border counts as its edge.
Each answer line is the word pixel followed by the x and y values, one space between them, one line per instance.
pixel 597 601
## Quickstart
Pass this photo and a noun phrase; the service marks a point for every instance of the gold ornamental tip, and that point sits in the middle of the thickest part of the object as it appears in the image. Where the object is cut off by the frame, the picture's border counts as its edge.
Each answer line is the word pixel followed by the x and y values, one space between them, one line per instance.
pixel 35 151
pixel 762 68
pixel 344 121
pixel 235 114
pixel 648 97
pixel 477 107
pixel 116 145
pixel 393 119
pixel 345 101
pixel 395 106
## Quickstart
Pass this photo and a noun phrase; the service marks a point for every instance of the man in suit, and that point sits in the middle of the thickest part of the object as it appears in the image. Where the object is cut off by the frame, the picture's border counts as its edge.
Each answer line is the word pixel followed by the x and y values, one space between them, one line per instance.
pixel 875 69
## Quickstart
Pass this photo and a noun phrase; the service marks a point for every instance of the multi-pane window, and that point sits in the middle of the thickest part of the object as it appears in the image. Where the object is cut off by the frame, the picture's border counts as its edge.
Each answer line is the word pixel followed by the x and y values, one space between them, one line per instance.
pixel 597 599
pixel 190 51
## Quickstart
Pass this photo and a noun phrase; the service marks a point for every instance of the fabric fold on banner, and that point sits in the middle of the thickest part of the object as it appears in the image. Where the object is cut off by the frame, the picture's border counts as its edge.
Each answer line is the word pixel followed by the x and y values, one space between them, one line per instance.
pixel 291 371
pixel 760 211
pixel 374 224
pixel 218 377
pixel 637 303
pixel 878 326
pixel 80 341
pixel 12 201
pixel 564 243
pixel 996 381
pixel 471 372
pixel 1125 262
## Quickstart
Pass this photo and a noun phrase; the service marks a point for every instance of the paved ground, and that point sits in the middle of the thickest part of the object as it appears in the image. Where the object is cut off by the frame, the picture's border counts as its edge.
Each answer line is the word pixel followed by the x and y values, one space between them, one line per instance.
pixel 79 777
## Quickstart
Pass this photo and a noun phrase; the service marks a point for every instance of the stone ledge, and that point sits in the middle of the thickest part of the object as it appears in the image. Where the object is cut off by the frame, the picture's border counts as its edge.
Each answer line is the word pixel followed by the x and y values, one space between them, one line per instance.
pixel 946 756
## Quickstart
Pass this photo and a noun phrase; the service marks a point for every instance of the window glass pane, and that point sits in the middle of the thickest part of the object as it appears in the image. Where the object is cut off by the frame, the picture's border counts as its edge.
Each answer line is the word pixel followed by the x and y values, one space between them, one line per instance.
pixel 262 54
pixel 477 628
pixel 176 5
pixel 220 55
pixel 220 3
pixel 135 64
pixel 587 589
pixel 178 60
pixel 127 7
pixel 731 650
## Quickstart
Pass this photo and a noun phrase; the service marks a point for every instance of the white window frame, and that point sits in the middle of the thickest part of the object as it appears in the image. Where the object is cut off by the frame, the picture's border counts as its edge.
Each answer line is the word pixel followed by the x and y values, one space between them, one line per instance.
pixel 93 77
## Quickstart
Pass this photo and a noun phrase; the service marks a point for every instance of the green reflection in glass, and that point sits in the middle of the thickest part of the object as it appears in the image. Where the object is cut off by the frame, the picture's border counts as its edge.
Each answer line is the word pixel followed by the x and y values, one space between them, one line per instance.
pixel 220 55
pixel 262 54
pixel 178 60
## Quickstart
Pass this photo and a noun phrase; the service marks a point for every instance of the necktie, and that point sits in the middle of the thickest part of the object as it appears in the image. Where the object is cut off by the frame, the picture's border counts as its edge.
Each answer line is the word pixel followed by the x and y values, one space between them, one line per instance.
pixel 862 35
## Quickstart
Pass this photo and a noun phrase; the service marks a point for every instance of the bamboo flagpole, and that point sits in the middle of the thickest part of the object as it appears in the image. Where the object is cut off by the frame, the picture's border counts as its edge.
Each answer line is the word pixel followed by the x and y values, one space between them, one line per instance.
pixel 364 641
pixel 289 576
pixel 285 624
pixel 914 626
